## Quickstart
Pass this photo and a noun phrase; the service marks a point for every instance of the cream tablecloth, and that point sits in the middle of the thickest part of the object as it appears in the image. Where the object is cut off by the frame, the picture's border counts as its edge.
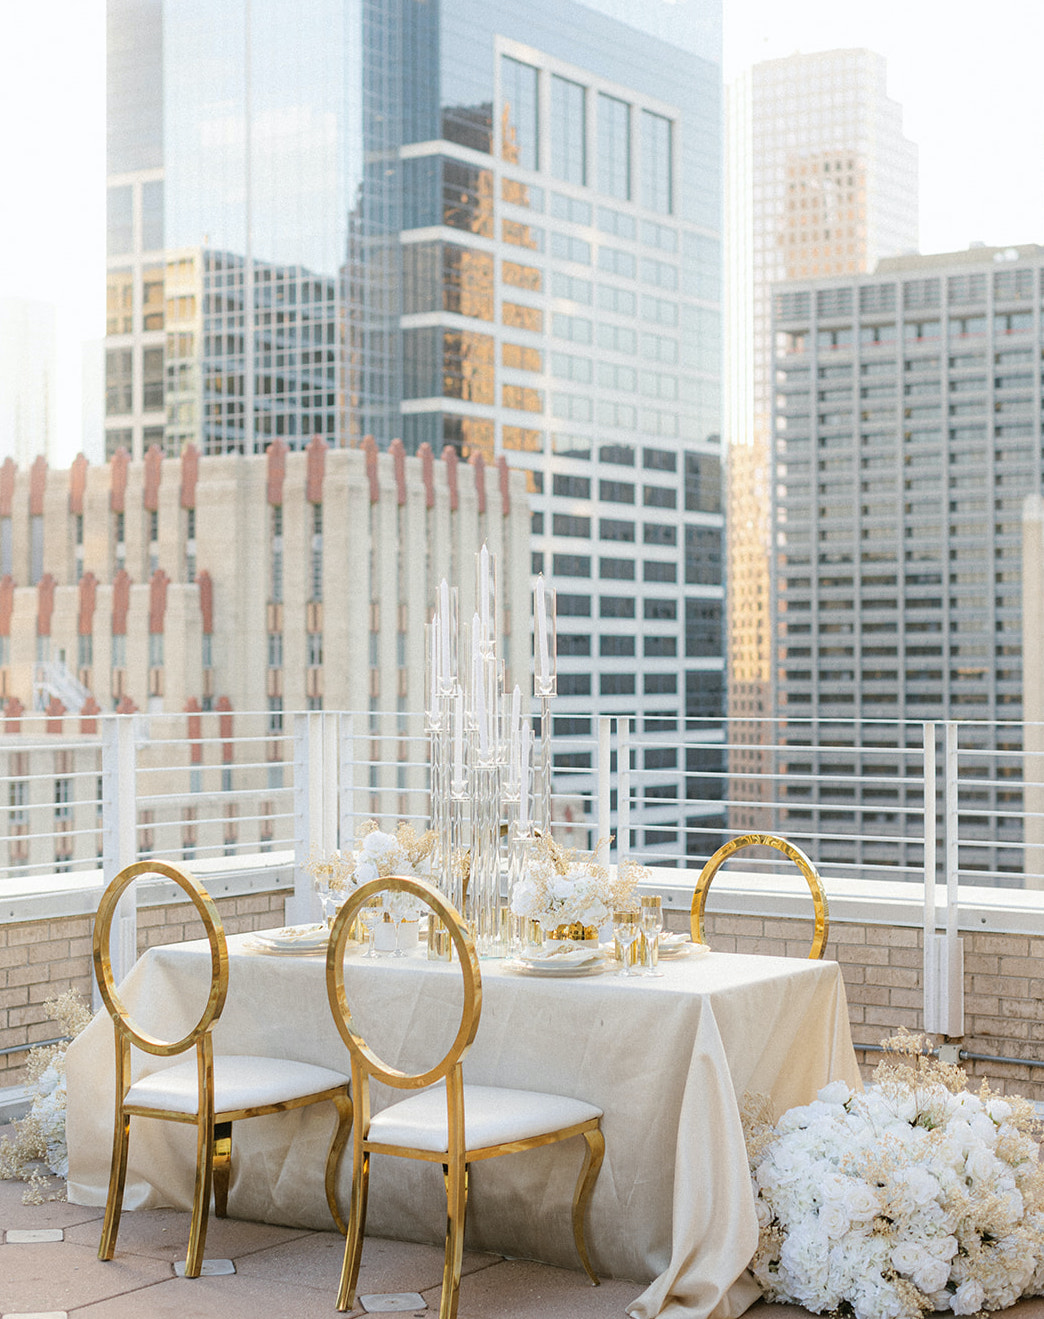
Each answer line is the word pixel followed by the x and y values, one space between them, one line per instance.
pixel 668 1061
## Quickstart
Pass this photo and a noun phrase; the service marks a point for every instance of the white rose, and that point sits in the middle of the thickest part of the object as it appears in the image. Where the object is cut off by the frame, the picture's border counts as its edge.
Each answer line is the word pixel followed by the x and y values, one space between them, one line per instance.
pixel 968 1297
pixel 981 1165
pixel 763 1211
pixel 377 844
pixel 999 1110
pixel 932 1275
pixel 908 1256
pixel 837 1092
pixel 833 1219
pixel 365 870
pixel 860 1200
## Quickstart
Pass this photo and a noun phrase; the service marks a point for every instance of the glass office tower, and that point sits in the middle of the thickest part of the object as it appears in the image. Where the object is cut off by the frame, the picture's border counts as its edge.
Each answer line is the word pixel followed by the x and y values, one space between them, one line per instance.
pixel 491 227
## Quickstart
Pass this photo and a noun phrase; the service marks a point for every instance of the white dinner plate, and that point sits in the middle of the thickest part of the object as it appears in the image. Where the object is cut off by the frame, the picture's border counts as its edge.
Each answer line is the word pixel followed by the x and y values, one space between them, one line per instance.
pixel 556 966
pixel 292 939
pixel 684 948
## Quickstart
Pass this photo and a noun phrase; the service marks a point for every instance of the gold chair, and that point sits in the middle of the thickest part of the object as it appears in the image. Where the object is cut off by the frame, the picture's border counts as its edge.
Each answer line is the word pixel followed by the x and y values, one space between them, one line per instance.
pixel 734 845
pixel 447 1123
pixel 210 1092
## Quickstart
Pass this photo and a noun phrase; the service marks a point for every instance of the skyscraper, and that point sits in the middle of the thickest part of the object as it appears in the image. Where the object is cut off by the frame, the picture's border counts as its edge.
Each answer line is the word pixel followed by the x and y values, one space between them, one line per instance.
pixel 458 224
pixel 822 181
pixel 28 379
pixel 908 418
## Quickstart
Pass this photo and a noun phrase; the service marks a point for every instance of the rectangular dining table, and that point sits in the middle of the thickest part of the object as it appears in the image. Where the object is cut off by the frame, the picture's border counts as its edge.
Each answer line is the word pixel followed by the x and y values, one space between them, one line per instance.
pixel 668 1060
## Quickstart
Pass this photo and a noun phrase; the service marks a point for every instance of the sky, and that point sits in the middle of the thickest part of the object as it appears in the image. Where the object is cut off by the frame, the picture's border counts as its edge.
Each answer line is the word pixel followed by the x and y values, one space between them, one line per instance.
pixel 967 75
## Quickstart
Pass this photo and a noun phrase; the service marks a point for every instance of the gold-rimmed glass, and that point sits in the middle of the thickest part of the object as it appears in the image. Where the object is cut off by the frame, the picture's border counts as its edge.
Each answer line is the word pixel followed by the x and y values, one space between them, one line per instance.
pixel 652 924
pixel 626 926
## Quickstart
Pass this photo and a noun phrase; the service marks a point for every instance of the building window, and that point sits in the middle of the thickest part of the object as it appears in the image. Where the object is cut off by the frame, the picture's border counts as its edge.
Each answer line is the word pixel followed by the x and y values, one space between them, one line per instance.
pixel 85 651
pixel 155 650
pixel 315 649
pixel 277 554
pixel 520 124
pixel 614 147
pixel 572 565
pixel 568 145
pixel 152 379
pixel 275 650
pixel 119 650
pixel 656 191
pixel 616 606
pixel 63 799
pixel 119 220
pixel 207 650
pixel 119 381
pixel 317 551
pixel 616 684
pixel 36 548
pixel 618 569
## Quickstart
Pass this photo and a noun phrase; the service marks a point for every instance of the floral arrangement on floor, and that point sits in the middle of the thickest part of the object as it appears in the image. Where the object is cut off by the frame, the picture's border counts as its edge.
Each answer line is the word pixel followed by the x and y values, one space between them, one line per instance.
pixel 376 854
pixel 39 1142
pixel 562 886
pixel 915 1196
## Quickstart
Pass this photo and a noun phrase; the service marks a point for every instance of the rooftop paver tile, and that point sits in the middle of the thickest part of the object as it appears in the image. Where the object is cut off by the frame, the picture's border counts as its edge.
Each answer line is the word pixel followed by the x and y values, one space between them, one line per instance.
pixel 63 1276
pixel 232 1297
pixel 527 1290
pixel 164 1234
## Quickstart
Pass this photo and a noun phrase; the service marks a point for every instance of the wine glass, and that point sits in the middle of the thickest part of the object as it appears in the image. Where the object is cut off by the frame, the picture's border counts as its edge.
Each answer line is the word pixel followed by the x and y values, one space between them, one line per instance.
pixel 371 913
pixel 402 908
pixel 625 928
pixel 652 924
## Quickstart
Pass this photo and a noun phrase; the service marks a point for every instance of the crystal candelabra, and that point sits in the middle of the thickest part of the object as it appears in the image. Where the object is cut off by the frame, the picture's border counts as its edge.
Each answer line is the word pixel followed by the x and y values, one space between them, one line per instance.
pixel 482 755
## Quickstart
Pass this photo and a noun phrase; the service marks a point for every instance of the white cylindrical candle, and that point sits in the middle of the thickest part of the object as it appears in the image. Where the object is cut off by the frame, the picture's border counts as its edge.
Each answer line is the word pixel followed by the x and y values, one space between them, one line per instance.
pixel 458 739
pixel 444 631
pixel 543 660
pixel 484 597
pixel 523 778
pixel 479 686
pixel 514 735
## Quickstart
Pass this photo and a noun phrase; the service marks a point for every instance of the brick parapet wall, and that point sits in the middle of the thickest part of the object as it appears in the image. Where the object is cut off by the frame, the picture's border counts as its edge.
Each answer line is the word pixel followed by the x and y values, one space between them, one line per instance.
pixel 41 959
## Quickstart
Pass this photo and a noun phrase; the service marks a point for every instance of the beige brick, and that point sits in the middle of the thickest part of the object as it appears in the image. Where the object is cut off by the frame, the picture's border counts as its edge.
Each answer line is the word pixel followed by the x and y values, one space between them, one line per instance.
pixel 739 925
pixel 16 956
pixel 14 996
pixel 32 1014
pixel 1010 986
pixel 256 902
pixel 22 934
pixel 852 975
pixel 980 963
pixel 847 934
pixel 896 936
pixel 27 975
pixel 875 995
pixel 49 951
pixel 77 927
pixel 911 957
pixel 1019 966
pixel 899 976
pixel 1026 1008
pixel 1008 945
pixel 908 998
pixel 987 1005
pixel 890 1018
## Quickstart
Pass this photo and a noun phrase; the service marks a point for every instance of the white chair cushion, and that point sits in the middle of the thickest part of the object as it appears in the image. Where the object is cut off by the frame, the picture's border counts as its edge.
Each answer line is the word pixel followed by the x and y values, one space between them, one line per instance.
pixel 492 1116
pixel 239 1082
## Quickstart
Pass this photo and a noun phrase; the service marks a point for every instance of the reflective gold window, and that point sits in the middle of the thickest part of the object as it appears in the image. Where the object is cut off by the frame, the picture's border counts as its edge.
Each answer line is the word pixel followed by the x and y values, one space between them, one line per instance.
pixel 467 282
pixel 523 318
pixel 527 441
pixel 522 235
pixel 518 194
pixel 522 398
pixel 468 366
pixel 522 277
pixel 522 358
pixel 119 302
pixel 469 435
pixel 467 197
pixel 152 298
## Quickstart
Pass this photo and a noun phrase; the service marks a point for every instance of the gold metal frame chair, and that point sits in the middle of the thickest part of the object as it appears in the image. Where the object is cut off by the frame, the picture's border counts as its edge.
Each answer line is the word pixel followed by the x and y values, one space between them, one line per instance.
pixel 208 1092
pixel 699 897
pixel 434 1125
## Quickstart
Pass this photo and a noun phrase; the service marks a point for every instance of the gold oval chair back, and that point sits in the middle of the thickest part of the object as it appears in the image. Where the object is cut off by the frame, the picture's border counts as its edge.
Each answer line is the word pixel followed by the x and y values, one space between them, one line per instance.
pixel 208 1091
pixel 444 1121
pixel 699 897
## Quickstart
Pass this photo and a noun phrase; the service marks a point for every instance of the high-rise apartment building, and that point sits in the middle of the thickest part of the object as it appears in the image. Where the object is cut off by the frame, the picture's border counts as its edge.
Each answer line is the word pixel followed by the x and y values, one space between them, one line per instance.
pixel 908 435
pixel 490 227
pixel 821 181
pixel 28 379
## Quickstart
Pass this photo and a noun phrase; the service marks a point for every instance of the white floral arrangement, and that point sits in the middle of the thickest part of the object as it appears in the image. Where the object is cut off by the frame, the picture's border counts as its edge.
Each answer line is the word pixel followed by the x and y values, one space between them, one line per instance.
pixel 915 1196
pixel 377 854
pixel 562 887
pixel 39 1145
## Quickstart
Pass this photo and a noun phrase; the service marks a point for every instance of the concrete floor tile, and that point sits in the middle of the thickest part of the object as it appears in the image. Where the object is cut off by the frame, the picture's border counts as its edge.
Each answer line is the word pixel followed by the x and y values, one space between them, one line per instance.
pixel 218 1298
pixel 387 1266
pixel 164 1233
pixel 527 1290
pixel 52 1213
pixel 61 1276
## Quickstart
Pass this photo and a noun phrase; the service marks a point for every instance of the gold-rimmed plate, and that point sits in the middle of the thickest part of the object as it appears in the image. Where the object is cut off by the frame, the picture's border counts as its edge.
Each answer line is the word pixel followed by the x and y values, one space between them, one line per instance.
pixel 291 939
pixel 552 967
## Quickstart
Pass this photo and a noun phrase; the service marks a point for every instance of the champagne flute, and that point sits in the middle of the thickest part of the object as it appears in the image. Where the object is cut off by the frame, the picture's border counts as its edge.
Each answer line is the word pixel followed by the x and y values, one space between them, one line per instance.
pixel 652 924
pixel 370 913
pixel 625 928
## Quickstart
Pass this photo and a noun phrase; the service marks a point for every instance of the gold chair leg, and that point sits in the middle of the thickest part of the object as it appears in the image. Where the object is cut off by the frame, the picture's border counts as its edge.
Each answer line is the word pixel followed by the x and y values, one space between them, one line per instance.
pixel 456 1209
pixel 201 1197
pixel 222 1166
pixel 356 1230
pixel 117 1182
pixel 584 1186
pixel 333 1160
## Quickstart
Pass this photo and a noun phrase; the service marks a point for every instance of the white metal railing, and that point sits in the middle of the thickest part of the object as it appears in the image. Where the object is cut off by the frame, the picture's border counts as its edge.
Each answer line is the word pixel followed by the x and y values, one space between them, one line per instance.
pixel 961 803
